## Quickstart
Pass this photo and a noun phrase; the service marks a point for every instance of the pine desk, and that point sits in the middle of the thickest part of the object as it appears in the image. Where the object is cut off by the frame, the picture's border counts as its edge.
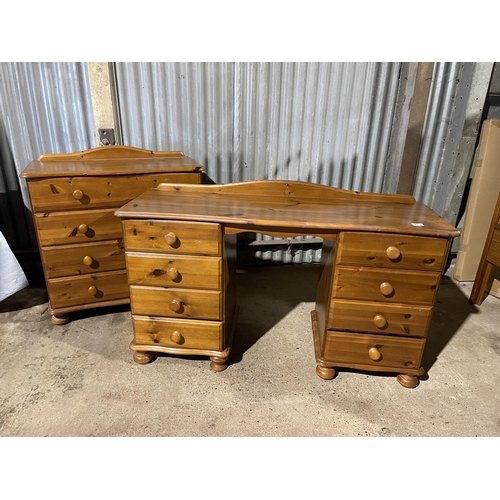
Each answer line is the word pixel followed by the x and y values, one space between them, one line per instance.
pixel 382 260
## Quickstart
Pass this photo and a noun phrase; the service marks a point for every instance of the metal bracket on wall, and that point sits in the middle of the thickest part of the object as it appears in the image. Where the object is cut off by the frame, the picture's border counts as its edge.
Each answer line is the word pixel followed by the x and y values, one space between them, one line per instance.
pixel 106 136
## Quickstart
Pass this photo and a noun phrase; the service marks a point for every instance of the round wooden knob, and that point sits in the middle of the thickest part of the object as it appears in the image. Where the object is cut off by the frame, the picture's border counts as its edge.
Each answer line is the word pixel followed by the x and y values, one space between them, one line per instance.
pixel 374 354
pixel 176 337
pixel 83 228
pixel 92 290
pixel 175 305
pixel 386 288
pixel 393 253
pixel 170 238
pixel 379 321
pixel 77 194
pixel 87 260
pixel 172 273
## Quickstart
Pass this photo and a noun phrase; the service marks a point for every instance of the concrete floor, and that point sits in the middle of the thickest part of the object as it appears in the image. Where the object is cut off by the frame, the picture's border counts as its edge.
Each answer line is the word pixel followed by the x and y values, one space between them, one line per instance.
pixel 79 379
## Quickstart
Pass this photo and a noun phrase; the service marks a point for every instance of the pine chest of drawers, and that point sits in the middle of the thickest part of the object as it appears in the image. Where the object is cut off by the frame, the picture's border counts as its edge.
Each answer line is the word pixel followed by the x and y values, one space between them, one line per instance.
pixel 73 199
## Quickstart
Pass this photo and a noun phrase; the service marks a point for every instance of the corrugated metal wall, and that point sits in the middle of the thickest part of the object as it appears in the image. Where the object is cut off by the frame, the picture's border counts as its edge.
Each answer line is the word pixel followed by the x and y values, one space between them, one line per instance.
pixel 44 108
pixel 320 122
pixel 180 106
pixel 453 119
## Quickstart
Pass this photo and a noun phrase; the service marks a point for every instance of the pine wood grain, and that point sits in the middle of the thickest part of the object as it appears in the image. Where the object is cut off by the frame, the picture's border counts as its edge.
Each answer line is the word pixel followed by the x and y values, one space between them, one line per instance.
pixel 66 292
pixel 353 349
pixel 289 188
pixel 110 160
pixel 285 212
pixel 193 334
pixel 196 304
pixel 363 283
pixel 110 152
pixel 192 271
pixel 67 260
pixel 190 237
pixel 61 228
pixel 77 193
pixel 354 315
pixel 372 250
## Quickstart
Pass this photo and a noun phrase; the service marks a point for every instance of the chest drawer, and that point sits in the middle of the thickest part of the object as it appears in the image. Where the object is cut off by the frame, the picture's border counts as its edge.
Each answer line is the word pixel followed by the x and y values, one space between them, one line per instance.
pixel 176 302
pixel 373 350
pixel 88 289
pixel 172 236
pixel 77 193
pixel 392 250
pixel 174 270
pixel 385 285
pixel 190 334
pixel 376 317
pixel 67 260
pixel 77 227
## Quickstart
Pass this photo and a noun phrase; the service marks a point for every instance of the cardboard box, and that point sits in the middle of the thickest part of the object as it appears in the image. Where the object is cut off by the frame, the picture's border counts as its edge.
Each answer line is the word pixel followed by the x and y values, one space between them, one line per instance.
pixel 483 195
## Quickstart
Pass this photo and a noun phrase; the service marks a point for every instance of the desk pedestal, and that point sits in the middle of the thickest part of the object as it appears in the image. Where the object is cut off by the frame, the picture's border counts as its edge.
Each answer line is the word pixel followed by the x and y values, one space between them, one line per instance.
pixel 374 303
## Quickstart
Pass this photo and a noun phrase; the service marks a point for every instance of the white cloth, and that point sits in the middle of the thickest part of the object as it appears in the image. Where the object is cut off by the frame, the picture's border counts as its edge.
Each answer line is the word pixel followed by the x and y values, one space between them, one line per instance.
pixel 12 277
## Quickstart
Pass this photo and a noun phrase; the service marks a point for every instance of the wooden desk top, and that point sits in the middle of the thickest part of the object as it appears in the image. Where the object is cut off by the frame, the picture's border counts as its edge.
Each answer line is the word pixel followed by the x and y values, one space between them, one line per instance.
pixel 303 208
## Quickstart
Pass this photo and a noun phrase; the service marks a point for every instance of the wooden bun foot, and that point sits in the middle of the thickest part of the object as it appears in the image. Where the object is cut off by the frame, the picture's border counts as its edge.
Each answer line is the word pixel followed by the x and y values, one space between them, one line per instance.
pixel 59 320
pixel 325 372
pixel 142 357
pixel 408 381
pixel 218 364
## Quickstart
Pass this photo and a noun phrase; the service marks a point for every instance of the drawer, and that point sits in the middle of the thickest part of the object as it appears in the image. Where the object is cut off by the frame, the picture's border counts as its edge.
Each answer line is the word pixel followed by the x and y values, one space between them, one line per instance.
pixel 377 317
pixel 189 334
pixel 392 250
pixel 172 236
pixel 373 350
pixel 385 285
pixel 176 302
pixel 173 270
pixel 88 289
pixel 77 193
pixel 69 260
pixel 63 228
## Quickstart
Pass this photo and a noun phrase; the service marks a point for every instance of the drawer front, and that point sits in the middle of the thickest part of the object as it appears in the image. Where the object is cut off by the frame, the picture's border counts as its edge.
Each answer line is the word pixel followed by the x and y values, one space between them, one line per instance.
pixel 189 334
pixel 90 289
pixel 176 302
pixel 69 260
pixel 386 286
pixel 77 193
pixel 376 317
pixel 392 250
pixel 173 270
pixel 78 227
pixel 172 236
pixel 360 349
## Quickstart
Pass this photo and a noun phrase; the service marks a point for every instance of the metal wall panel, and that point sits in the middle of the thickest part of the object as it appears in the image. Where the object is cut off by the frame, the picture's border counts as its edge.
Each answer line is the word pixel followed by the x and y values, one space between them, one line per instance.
pixel 44 108
pixel 180 106
pixel 320 122
pixel 454 113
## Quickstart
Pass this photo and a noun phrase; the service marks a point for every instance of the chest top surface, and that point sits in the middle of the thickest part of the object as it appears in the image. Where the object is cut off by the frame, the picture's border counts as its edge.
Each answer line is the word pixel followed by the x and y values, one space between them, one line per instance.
pixel 288 204
pixel 109 160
